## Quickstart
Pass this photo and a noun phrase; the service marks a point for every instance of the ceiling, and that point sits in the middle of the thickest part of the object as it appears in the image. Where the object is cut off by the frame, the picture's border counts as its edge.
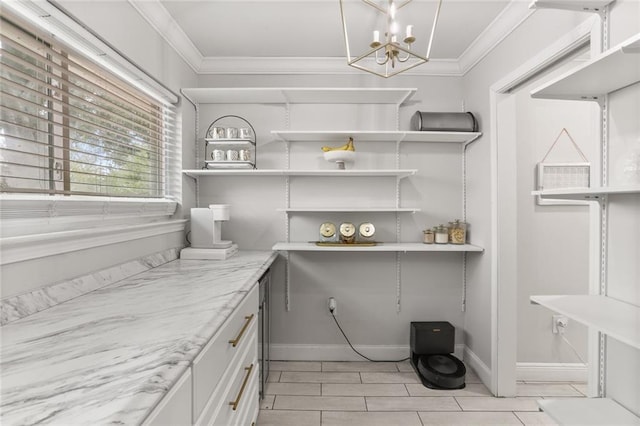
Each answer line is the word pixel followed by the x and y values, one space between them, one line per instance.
pixel 289 36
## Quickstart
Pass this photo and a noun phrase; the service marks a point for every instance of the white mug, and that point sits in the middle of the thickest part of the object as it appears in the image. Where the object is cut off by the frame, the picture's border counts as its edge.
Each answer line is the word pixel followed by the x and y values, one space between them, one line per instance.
pixel 244 155
pixel 232 132
pixel 216 133
pixel 217 155
pixel 245 133
pixel 232 155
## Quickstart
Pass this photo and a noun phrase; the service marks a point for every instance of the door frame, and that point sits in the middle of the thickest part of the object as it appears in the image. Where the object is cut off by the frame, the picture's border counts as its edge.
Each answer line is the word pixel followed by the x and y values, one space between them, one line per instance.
pixel 503 242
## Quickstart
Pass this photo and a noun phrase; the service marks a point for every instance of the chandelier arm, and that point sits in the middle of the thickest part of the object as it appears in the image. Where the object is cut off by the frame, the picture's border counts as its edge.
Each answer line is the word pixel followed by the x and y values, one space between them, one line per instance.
pixel 403 60
pixel 383 61
pixel 402 5
pixel 433 29
pixel 374 5
pixel 344 31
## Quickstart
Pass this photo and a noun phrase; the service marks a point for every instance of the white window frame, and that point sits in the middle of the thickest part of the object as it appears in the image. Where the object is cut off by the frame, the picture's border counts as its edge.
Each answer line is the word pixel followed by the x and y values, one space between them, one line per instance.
pixel 34 225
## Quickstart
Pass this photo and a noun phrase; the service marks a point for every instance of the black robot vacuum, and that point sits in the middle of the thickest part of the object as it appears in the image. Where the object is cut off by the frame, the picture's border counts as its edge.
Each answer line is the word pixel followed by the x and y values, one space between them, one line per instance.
pixel 432 344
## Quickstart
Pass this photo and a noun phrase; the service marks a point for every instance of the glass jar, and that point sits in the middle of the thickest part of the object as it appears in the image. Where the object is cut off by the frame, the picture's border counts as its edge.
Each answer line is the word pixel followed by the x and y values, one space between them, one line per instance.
pixel 429 236
pixel 457 232
pixel 441 234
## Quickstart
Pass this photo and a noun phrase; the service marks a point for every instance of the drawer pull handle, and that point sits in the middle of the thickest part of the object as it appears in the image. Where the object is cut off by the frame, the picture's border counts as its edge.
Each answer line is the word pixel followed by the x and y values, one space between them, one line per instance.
pixel 234 404
pixel 235 341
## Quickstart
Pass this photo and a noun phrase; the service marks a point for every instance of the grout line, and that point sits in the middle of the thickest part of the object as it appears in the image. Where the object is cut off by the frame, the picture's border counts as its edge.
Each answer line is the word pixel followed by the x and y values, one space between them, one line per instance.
pixel 419 418
pixel 457 402
pixel 518 417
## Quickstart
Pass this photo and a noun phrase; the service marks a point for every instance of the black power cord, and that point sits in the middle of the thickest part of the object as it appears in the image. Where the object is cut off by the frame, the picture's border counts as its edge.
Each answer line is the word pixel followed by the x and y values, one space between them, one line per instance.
pixel 355 350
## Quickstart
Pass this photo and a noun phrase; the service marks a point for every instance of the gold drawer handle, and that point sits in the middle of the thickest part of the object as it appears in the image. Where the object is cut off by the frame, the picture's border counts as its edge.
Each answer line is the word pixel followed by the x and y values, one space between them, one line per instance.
pixel 235 341
pixel 234 404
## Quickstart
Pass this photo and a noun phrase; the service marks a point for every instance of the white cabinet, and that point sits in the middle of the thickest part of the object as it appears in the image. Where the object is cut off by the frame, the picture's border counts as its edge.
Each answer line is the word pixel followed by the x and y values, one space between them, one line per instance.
pixel 175 407
pixel 226 371
pixel 221 387
pixel 618 318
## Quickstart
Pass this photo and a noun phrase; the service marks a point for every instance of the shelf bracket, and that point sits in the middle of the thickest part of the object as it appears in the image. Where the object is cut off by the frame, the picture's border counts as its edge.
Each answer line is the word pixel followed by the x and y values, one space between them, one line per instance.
pixel 398 284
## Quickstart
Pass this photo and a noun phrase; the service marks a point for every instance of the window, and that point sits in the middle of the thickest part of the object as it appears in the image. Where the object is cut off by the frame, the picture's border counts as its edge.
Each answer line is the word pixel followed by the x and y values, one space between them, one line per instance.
pixel 70 127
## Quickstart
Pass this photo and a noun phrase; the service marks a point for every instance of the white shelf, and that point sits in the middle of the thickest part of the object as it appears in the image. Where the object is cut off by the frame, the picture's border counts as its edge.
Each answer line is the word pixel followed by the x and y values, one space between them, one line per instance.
pixel 350 210
pixel 227 165
pixel 278 172
pixel 209 141
pixel 375 136
pixel 587 193
pixel 380 247
pixel 612 70
pixel 284 95
pixel 616 319
pixel 580 5
pixel 588 411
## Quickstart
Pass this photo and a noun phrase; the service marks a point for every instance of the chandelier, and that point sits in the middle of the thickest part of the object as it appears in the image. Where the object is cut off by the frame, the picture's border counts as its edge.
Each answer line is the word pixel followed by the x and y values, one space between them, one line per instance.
pixel 389 52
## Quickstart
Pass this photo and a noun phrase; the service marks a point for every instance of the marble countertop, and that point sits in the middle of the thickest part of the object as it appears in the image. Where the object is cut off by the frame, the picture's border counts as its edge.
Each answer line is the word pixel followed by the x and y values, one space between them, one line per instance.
pixel 110 356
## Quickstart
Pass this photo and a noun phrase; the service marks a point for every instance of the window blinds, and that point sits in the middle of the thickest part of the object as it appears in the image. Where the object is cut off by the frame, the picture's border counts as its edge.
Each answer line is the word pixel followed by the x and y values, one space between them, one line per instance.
pixel 68 126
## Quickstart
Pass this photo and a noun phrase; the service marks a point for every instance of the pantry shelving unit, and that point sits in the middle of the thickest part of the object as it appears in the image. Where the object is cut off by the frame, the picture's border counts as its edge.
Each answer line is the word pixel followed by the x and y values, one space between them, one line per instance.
pixel 400 174
pixel 300 95
pixel 395 97
pixel 613 317
pixel 596 6
pixel 382 247
pixel 589 412
pixel 376 136
pixel 613 70
pixel 350 210
pixel 587 194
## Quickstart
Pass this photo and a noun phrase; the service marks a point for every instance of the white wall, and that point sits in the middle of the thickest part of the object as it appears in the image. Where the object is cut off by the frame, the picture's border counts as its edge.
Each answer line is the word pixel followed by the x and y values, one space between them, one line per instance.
pixel 123 27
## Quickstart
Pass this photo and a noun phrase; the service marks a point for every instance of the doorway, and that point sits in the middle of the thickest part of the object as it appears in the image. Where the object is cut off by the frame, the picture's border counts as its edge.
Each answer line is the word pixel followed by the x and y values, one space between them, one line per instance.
pixel 541 249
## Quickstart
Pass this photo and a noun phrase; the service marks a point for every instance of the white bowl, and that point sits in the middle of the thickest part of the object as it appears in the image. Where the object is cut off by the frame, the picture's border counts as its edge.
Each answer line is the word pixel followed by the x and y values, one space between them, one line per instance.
pixel 340 156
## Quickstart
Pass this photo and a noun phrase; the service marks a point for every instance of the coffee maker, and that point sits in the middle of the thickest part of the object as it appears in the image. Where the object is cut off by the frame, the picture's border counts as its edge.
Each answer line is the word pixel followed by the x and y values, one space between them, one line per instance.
pixel 206 234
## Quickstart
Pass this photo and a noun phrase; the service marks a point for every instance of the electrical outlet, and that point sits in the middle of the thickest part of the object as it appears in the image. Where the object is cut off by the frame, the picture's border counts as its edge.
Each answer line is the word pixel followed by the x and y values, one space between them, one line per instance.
pixel 333 306
pixel 559 324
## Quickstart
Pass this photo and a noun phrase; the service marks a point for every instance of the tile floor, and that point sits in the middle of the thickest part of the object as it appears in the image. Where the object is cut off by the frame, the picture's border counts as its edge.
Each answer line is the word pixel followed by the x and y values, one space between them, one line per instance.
pixel 390 394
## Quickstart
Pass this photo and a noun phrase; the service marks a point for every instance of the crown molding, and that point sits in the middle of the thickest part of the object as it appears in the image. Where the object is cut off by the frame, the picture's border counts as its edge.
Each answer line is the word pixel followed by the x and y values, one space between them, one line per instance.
pixel 159 18
pixel 504 24
pixel 310 65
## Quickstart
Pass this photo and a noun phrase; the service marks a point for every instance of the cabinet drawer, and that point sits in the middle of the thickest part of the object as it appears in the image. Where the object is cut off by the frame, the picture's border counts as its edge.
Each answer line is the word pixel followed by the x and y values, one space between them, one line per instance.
pixel 175 407
pixel 242 390
pixel 216 357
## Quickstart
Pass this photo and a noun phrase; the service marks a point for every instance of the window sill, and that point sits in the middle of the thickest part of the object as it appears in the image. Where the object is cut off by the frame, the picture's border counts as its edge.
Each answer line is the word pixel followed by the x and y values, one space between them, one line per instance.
pixel 39 226
pixel 28 247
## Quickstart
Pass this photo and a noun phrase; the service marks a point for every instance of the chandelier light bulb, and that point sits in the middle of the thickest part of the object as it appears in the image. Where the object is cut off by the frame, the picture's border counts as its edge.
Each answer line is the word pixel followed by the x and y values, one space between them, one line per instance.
pixel 393 29
pixel 392 10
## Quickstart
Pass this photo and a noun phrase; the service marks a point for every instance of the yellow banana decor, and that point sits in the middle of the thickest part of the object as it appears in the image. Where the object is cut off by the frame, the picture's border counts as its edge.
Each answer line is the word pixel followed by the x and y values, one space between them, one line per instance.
pixel 346 147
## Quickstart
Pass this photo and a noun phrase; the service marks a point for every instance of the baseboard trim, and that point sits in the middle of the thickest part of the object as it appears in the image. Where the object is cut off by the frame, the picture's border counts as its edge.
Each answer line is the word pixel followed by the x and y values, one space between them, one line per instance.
pixel 551 372
pixel 284 352
pixel 481 369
